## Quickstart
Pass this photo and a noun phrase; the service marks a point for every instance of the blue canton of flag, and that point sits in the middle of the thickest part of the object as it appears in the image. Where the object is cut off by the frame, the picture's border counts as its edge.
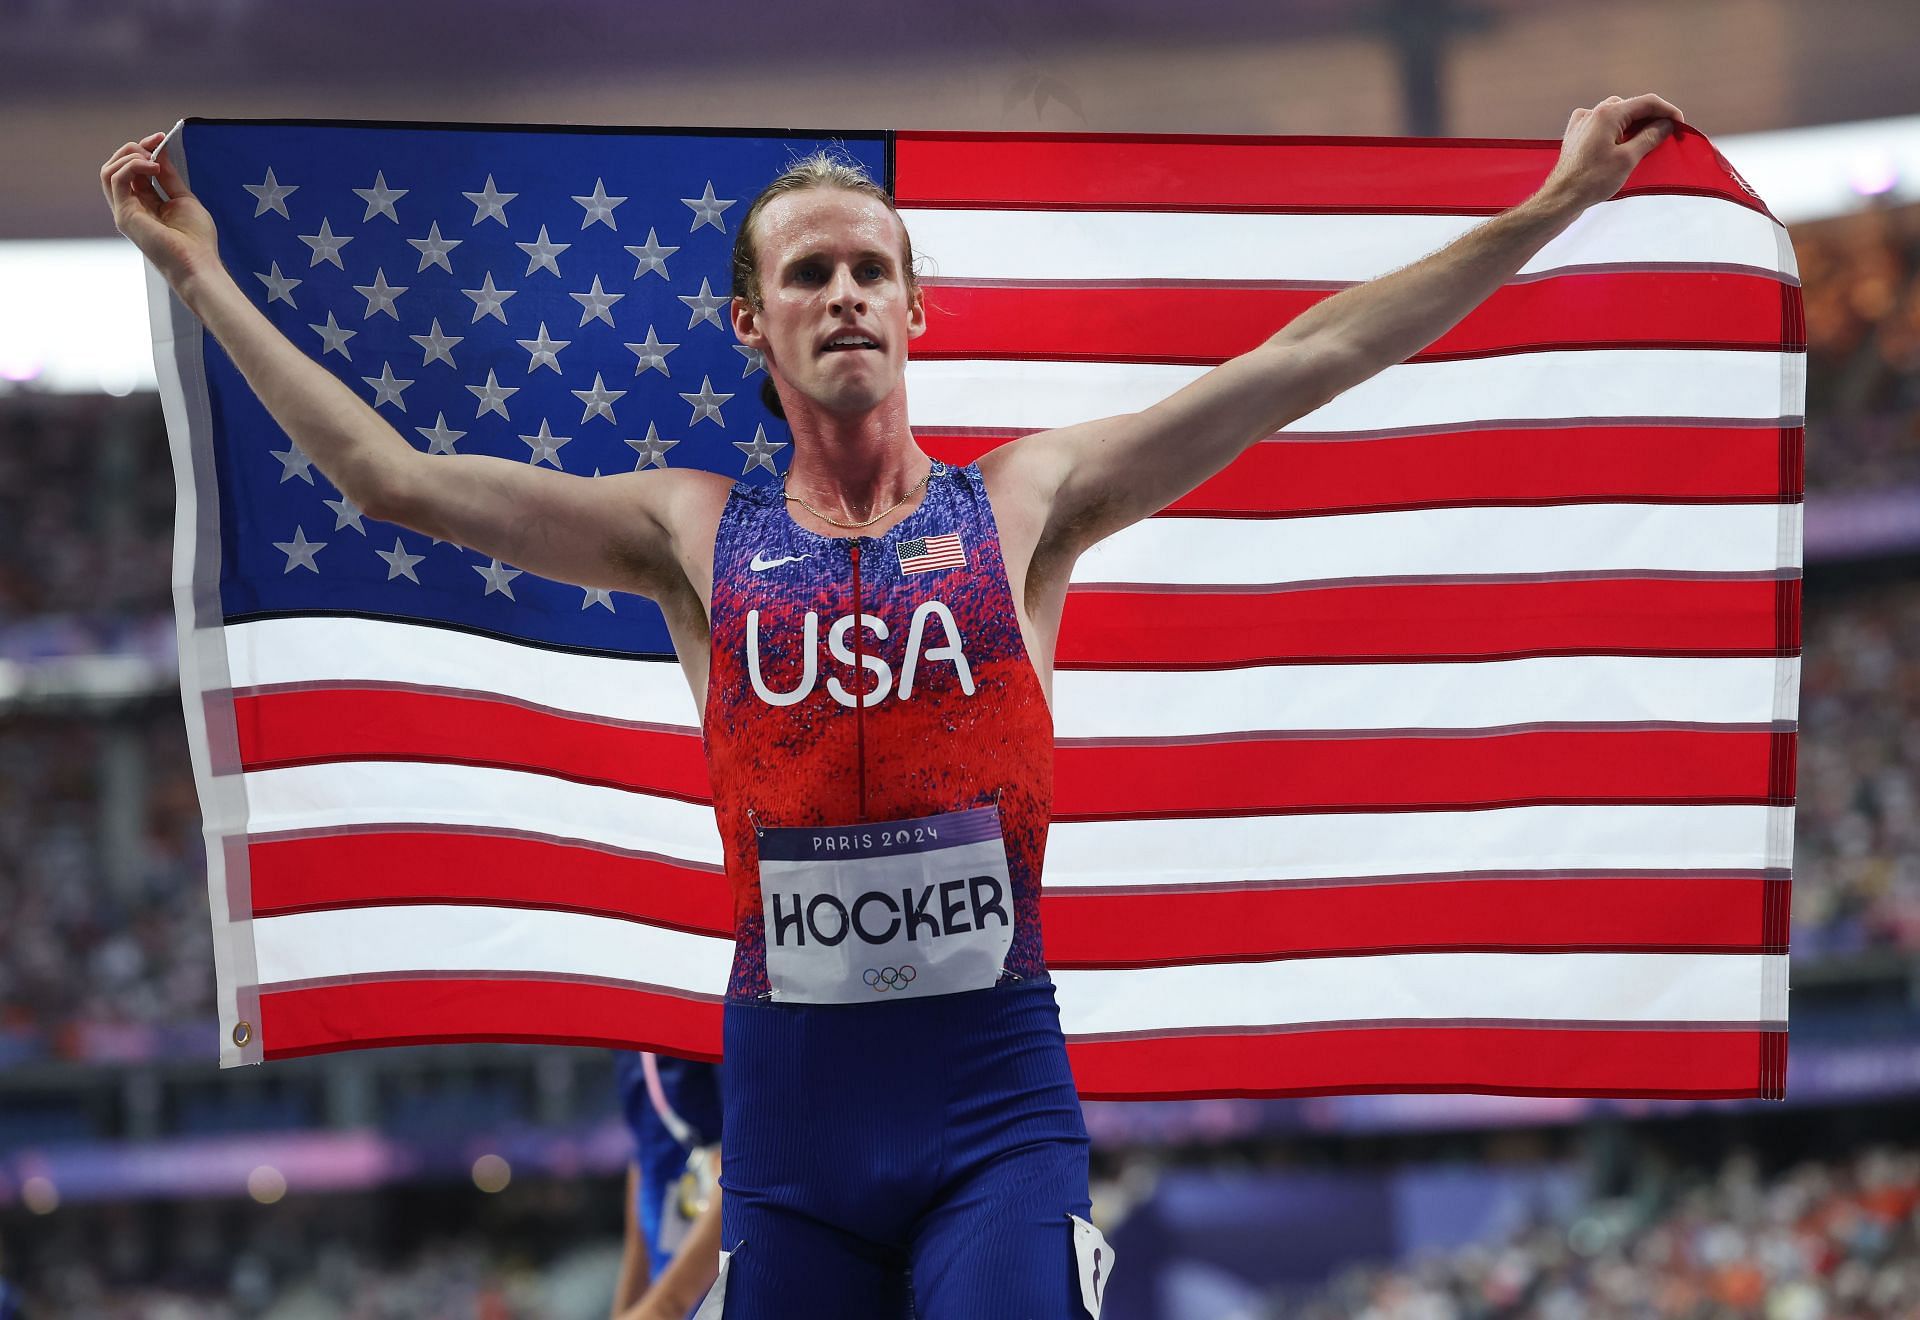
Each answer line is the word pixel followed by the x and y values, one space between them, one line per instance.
pixel 553 296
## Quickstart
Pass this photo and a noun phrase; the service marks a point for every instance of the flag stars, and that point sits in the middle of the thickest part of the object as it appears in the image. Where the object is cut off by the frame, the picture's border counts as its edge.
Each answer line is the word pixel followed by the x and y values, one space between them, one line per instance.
pixel 387 388
pixel 400 563
pixel 380 295
pixel 596 304
pixel 347 514
pixel 334 337
pixel 546 446
pixel 759 452
pixel 707 209
pixel 440 438
pixel 438 346
pixel 542 252
pixel 326 245
pixel 599 207
pixel 294 463
pixel 652 451
pixel 652 355
pixel 279 287
pixel 706 403
pixel 488 301
pixel 271 195
pixel 598 596
pixel 489 204
pixel 300 551
pixel 498 578
pixel 651 256
pixel 493 396
pixel 756 360
pixel 380 198
pixel 545 351
pixel 704 306
pixel 433 249
pixel 599 400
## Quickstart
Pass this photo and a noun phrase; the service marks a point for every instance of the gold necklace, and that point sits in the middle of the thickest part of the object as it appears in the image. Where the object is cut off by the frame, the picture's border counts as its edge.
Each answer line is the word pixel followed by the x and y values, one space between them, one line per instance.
pixel 869 522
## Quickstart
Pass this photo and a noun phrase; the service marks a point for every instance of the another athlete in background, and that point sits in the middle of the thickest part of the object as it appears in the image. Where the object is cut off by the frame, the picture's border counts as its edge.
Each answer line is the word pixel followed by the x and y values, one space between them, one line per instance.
pixel 876 707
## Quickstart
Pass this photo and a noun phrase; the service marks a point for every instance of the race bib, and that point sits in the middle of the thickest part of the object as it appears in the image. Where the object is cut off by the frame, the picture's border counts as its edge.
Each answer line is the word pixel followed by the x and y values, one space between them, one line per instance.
pixel 886 910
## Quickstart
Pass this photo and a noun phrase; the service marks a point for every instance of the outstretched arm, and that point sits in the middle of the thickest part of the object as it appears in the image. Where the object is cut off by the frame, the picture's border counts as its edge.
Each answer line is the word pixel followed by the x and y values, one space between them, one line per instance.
pixel 611 532
pixel 1103 475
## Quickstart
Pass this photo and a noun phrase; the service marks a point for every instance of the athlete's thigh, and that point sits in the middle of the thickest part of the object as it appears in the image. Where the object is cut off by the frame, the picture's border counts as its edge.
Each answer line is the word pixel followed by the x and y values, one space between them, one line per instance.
pixel 785 1266
pixel 1002 1245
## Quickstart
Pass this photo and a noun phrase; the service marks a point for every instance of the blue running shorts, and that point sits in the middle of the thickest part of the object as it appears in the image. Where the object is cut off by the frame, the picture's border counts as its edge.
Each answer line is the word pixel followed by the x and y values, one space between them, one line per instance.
pixel 935 1144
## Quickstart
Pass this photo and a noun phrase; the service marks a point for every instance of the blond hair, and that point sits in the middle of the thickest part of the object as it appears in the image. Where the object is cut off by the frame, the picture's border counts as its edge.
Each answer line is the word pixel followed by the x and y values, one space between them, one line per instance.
pixel 820 170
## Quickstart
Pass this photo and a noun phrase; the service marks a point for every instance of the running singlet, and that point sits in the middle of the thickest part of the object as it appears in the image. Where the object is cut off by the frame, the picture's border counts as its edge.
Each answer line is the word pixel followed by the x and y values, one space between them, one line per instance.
pixel 928 704
pixel 672 1108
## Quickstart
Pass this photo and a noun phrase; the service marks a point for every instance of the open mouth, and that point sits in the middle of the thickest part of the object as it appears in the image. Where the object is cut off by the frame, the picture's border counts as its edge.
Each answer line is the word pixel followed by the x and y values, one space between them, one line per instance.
pixel 850 344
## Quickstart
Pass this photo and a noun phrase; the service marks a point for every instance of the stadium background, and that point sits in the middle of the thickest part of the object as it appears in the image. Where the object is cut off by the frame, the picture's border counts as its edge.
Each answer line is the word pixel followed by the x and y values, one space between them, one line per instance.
pixel 138 1180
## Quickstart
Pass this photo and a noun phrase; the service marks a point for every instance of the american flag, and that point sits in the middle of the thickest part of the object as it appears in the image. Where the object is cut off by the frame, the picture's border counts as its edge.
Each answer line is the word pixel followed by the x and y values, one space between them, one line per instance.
pixel 924 554
pixel 1444 741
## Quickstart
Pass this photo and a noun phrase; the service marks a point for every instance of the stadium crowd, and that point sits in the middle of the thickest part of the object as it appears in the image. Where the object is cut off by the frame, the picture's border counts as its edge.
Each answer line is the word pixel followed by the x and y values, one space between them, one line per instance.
pixel 1836 1240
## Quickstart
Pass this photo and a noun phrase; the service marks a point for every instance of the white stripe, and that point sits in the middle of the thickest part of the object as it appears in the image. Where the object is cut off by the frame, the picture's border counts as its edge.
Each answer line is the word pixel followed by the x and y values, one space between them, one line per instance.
pixel 1557 385
pixel 345 650
pixel 1048 246
pixel 377 941
pixel 1148 703
pixel 355 793
pixel 1567 987
pixel 1238 849
pixel 1554 689
pixel 1702 538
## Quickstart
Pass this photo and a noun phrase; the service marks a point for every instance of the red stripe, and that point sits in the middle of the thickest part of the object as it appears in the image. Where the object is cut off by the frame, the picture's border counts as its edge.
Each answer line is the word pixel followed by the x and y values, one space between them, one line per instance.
pixel 1521 465
pixel 1189 173
pixel 1119 629
pixel 379 867
pixel 372 724
pixel 1640 309
pixel 1671 914
pixel 1284 775
pixel 369 1014
pixel 1252 775
pixel 1498 1060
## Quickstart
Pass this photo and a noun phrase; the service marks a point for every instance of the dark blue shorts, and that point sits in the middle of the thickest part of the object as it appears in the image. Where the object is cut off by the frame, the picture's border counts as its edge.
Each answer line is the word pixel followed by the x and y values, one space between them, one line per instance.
pixel 935 1144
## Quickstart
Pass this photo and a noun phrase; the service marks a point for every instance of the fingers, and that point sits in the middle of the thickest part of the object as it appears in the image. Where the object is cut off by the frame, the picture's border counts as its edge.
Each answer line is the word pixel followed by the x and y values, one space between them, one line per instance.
pixel 1650 106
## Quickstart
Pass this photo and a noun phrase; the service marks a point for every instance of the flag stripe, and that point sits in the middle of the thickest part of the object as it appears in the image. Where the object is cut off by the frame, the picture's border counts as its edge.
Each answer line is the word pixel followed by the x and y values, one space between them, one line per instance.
pixel 1599 987
pixel 1051 249
pixel 1532 1060
pixel 1588 386
pixel 1680 914
pixel 373 867
pixel 1099 780
pixel 1631 309
pixel 1065 171
pixel 374 942
pixel 1116 628
pixel 444 1009
pixel 1286 476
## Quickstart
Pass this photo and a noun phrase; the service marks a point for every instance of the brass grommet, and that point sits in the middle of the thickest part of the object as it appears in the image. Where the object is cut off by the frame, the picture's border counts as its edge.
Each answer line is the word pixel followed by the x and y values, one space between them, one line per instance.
pixel 242 1032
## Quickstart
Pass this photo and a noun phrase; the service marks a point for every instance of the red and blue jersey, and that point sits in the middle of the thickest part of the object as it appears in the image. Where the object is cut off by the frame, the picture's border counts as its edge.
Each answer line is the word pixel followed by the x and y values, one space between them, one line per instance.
pixel 867 679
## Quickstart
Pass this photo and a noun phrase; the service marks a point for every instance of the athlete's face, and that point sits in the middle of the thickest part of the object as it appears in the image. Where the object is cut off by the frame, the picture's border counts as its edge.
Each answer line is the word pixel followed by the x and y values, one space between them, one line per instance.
pixel 836 308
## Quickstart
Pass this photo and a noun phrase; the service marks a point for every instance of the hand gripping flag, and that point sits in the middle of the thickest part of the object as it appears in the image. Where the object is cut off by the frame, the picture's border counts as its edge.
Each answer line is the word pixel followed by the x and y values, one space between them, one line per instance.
pixel 1445 741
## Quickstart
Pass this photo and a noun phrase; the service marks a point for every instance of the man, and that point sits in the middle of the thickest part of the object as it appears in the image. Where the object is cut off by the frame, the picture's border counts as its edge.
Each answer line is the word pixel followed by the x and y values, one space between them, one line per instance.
pixel 672 1241
pixel 898 1090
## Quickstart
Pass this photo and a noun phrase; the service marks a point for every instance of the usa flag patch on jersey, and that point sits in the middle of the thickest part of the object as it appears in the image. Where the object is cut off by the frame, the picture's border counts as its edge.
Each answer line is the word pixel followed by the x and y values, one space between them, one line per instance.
pixel 924 554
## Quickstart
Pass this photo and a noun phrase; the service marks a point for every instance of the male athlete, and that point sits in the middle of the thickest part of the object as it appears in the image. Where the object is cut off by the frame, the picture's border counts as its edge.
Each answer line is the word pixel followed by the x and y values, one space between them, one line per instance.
pixel 671 1245
pixel 872 646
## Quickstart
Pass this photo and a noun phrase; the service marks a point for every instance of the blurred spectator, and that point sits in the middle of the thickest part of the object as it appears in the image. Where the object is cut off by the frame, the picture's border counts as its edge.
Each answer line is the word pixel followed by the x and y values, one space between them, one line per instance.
pixel 1823 1241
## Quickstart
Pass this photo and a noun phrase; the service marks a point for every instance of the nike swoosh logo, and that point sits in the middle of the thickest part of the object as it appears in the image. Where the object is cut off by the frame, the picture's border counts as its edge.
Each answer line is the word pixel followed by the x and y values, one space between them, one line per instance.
pixel 760 565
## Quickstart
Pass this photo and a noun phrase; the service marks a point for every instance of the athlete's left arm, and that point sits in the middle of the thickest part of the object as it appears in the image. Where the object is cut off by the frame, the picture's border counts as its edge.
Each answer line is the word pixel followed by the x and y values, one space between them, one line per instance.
pixel 1107 474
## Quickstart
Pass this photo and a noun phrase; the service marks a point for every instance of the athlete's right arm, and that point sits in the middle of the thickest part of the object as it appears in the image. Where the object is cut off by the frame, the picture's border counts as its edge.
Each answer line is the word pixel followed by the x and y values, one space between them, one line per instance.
pixel 606 532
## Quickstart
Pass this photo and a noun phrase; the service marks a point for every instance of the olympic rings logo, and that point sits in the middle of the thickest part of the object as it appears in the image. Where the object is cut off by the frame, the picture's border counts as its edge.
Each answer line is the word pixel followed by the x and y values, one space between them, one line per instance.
pixel 882 979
